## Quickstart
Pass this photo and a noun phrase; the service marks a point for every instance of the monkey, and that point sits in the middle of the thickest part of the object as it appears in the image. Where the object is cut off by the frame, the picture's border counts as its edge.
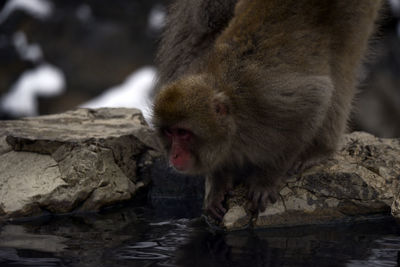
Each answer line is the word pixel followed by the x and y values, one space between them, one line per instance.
pixel 269 94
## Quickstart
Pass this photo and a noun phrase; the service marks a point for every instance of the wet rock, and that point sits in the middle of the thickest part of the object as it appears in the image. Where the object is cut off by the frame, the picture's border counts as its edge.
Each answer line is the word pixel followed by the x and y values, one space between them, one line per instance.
pixel 360 180
pixel 80 160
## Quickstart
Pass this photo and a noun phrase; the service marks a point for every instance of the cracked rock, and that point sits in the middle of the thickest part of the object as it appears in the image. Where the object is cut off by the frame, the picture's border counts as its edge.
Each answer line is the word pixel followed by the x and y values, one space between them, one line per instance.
pixel 81 160
pixel 361 179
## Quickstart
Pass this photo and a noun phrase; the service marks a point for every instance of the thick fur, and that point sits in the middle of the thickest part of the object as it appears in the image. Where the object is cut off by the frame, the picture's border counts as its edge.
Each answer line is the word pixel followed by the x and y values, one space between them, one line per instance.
pixel 285 71
pixel 191 29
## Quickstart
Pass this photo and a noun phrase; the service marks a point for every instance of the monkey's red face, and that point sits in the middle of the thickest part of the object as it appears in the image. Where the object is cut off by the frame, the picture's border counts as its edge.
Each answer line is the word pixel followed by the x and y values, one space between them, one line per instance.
pixel 180 155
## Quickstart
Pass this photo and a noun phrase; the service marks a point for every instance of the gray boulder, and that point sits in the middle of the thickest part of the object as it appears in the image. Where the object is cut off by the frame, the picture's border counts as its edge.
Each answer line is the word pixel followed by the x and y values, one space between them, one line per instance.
pixel 80 160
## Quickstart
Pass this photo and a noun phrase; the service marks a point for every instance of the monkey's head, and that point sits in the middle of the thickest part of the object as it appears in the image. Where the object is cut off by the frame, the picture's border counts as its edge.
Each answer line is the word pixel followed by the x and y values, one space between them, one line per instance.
pixel 194 124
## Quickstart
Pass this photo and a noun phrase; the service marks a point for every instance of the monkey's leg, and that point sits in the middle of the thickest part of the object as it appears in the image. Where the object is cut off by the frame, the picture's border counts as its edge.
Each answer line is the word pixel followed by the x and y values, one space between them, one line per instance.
pixel 218 185
pixel 297 108
pixel 327 139
pixel 314 155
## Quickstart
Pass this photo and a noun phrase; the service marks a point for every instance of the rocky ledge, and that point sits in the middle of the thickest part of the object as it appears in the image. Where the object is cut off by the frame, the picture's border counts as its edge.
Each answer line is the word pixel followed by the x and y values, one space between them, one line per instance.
pixel 361 179
pixel 86 159
pixel 80 160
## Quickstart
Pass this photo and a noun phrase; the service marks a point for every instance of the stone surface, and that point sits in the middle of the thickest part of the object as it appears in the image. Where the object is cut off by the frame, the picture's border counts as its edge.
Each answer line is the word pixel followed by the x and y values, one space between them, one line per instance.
pixel 84 159
pixel 360 180
pixel 80 160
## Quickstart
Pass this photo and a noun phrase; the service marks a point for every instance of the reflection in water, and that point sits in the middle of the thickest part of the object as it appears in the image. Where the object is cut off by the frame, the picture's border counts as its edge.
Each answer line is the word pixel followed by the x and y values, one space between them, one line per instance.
pixel 14 257
pixel 382 255
pixel 367 244
pixel 16 236
pixel 138 237
pixel 164 239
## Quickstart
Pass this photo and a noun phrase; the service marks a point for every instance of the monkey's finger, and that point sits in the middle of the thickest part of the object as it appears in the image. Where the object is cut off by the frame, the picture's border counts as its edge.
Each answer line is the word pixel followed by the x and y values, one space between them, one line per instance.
pixel 294 169
pixel 263 202
pixel 265 199
pixel 230 192
pixel 273 197
pixel 249 206
pixel 229 187
pixel 221 208
pixel 214 213
pixel 256 199
pixel 250 194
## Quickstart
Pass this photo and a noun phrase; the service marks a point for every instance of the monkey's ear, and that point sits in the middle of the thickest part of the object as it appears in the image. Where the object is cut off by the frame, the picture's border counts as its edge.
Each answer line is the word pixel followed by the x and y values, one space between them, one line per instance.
pixel 221 104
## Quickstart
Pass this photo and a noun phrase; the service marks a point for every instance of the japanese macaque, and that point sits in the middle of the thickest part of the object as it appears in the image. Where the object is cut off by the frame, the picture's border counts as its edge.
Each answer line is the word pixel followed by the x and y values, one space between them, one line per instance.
pixel 261 92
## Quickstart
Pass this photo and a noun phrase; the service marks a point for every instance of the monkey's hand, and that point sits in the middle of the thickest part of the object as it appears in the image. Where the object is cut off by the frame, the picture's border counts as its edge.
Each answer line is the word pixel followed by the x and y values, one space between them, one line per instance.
pixel 214 205
pixel 261 194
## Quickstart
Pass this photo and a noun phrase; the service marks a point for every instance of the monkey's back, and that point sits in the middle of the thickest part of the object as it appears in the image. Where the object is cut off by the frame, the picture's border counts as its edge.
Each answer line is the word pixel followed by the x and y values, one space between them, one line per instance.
pixel 269 45
pixel 303 35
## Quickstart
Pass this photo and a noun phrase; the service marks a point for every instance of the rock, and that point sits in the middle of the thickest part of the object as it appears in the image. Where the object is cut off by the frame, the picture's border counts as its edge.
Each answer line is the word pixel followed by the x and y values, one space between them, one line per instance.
pixel 85 159
pixel 360 180
pixel 81 160
pixel 4 146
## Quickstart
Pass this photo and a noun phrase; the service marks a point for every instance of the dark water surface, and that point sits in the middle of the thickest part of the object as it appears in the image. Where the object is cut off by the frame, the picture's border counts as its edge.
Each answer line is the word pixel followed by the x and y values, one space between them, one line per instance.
pixel 149 237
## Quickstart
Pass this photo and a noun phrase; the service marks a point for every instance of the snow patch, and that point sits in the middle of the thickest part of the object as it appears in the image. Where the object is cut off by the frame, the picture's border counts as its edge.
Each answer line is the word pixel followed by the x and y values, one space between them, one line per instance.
pixel 84 13
pixel 157 18
pixel 44 80
pixel 134 92
pixel 395 5
pixel 40 9
pixel 30 52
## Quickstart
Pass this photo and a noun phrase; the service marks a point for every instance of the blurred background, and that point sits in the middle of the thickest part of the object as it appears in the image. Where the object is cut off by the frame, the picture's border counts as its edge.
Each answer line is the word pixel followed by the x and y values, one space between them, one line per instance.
pixel 56 55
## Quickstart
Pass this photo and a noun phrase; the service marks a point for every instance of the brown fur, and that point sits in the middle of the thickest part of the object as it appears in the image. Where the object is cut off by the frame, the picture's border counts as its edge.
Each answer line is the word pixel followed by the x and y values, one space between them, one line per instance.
pixel 191 29
pixel 286 73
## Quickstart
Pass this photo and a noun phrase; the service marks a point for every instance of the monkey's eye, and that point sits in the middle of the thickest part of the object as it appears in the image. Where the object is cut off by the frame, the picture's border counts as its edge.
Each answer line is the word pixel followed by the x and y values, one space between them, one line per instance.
pixel 183 134
pixel 168 132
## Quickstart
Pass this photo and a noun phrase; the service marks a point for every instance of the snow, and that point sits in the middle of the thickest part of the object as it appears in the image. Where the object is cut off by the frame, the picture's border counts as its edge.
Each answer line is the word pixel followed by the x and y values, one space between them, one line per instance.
pixel 134 92
pixel 157 18
pixel 395 5
pixel 44 80
pixel 30 52
pixel 84 13
pixel 38 8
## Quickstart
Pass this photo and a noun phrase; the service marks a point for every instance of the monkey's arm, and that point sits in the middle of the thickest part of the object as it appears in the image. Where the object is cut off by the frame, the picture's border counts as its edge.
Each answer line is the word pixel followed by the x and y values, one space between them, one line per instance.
pixel 218 185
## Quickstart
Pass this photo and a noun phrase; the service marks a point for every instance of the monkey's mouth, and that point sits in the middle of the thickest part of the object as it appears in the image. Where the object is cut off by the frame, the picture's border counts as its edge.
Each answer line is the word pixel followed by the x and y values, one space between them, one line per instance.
pixel 188 169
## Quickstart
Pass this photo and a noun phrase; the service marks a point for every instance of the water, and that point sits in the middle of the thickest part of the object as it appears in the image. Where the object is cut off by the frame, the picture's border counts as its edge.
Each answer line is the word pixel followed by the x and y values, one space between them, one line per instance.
pixel 148 237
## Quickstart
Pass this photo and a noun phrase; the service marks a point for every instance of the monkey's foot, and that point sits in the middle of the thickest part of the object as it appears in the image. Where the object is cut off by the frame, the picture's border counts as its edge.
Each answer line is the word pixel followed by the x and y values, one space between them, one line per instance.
pixel 261 196
pixel 302 165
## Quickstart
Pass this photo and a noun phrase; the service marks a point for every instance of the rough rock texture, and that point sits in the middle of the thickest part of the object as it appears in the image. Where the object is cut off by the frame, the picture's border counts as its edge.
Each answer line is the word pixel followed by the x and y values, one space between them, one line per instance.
pixel 361 179
pixel 86 159
pixel 80 160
